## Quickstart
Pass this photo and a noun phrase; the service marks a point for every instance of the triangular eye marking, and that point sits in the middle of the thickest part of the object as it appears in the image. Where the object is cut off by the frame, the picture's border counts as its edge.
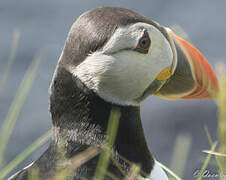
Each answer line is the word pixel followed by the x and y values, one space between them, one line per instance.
pixel 144 43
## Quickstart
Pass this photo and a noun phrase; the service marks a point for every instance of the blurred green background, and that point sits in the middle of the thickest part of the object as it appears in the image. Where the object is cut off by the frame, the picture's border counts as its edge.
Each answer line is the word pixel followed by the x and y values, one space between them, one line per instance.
pixel 174 129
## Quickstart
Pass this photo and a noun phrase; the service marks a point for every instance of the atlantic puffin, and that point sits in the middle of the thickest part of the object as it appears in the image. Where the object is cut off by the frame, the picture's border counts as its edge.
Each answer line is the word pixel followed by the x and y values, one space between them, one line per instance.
pixel 115 57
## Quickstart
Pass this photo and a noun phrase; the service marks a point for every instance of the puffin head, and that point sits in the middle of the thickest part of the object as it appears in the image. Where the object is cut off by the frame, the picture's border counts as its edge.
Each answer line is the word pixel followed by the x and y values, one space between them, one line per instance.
pixel 124 57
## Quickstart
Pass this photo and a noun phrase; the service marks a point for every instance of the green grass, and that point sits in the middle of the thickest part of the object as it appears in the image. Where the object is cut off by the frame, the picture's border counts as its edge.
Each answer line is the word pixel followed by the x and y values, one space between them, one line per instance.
pixel 7 68
pixel 183 142
pixel 206 162
pixel 21 157
pixel 221 102
pixel 180 153
pixel 16 106
pixel 110 139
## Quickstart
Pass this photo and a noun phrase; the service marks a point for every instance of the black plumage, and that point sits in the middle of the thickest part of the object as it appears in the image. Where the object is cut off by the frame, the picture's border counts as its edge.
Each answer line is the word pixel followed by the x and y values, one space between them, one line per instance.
pixel 80 116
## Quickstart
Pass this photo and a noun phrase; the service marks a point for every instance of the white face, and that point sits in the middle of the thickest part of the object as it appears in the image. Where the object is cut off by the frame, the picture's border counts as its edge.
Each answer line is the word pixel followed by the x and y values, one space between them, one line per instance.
pixel 120 74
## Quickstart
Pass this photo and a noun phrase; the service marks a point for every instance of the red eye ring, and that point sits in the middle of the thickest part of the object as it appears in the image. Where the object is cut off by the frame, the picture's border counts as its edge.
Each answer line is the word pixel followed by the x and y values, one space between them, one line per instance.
pixel 144 43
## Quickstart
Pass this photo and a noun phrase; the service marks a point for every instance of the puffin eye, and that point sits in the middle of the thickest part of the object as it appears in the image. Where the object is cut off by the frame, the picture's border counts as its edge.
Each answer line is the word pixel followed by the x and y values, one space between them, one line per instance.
pixel 144 43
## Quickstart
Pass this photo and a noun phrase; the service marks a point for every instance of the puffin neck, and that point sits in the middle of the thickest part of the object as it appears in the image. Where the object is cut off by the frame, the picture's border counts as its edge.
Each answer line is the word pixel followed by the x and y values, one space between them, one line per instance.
pixel 80 118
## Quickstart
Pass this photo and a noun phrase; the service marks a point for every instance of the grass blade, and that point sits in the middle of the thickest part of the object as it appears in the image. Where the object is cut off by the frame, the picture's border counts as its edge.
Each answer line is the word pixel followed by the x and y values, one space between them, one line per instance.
pixel 211 143
pixel 168 170
pixel 180 153
pixel 214 153
pixel 16 106
pixel 110 139
pixel 7 68
pixel 133 172
pixel 112 176
pixel 206 162
pixel 75 162
pixel 21 157
pixel 221 104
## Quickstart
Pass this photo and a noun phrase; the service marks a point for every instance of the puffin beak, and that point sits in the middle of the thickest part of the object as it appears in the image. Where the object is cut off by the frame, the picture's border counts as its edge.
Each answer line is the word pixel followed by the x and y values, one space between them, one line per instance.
pixel 192 76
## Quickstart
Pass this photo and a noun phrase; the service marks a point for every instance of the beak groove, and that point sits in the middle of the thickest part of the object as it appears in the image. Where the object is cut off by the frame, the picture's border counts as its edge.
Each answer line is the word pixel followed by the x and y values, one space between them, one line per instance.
pixel 193 77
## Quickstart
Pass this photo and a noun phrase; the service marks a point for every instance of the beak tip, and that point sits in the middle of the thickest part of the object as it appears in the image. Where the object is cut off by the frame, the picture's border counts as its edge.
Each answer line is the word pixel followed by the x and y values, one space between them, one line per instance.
pixel 207 86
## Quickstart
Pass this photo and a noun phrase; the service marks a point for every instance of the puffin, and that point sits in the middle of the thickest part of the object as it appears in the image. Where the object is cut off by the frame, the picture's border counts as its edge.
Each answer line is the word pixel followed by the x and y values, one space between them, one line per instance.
pixel 115 58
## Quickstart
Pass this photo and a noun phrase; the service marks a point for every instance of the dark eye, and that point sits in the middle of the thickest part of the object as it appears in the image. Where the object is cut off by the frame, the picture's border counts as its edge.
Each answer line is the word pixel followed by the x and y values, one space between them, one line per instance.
pixel 144 43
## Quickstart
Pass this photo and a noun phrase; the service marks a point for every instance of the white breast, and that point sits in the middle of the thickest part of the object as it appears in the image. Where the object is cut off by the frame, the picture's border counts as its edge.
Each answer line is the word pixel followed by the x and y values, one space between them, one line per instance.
pixel 157 173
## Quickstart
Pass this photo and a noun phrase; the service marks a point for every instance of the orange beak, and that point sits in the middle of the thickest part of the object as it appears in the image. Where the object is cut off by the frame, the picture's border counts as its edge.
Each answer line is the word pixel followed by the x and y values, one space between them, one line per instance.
pixel 193 77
